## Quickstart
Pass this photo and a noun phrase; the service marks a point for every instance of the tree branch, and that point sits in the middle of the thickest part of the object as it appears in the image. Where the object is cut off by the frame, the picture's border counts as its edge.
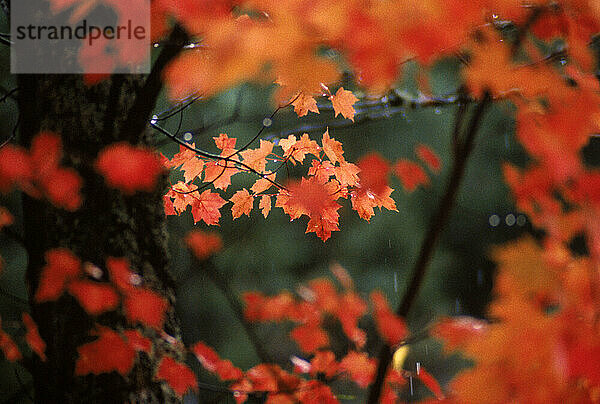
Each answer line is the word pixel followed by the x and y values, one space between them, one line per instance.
pixel 429 242
pixel 138 115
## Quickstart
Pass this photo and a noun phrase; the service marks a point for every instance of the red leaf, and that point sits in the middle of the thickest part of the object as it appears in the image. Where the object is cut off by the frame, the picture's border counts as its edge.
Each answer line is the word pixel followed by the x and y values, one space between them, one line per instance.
pixel 110 352
pixel 359 367
pixel 9 348
pixel 310 337
pixel 432 384
pixel 60 185
pixel 15 167
pixel 129 168
pixel 203 244
pixel 457 331
pixel 6 219
pixel 332 148
pixel 206 207
pixel 411 174
pixel 120 274
pixel 374 171
pixel 262 308
pixel 146 307
pixel 391 327
pixel 33 338
pixel 177 375
pixel 61 267
pixel 62 188
pixel 95 298
pixel 137 341
pixel 323 362
pixel 428 156
pixel 224 369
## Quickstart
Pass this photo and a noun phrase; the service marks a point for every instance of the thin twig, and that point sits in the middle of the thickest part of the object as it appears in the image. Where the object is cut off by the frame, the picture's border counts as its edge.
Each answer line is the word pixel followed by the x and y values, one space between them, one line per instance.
pixel 429 242
pixel 214 156
pixel 138 115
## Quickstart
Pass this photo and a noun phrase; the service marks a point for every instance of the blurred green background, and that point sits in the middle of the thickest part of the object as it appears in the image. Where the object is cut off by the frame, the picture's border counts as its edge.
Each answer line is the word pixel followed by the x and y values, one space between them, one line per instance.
pixel 274 254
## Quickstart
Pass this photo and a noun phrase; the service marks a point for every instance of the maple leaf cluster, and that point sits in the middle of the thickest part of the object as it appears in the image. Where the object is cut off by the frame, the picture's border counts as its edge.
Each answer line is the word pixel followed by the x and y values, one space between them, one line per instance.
pixel 318 302
pixel 38 172
pixel 281 41
pixel 330 178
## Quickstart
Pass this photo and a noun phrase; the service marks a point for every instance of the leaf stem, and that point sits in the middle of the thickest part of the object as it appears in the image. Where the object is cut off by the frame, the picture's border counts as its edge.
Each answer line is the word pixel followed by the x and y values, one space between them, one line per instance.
pixel 463 151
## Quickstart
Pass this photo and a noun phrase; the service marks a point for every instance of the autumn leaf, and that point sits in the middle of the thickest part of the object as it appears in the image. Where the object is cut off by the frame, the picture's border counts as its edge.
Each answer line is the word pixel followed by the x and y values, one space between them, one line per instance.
pixel 191 165
pixel 410 174
pixel 257 158
pixel 296 150
pixel 359 367
pixel 145 307
pixel 211 361
pixel 129 168
pixel 343 102
pixel 6 219
pixel 206 207
pixel 457 331
pixel 258 307
pixel 121 275
pixel 242 203
pixel 428 156
pixel 304 103
pixel 108 353
pixel 265 205
pixel 94 297
pixel 203 244
pixel 61 267
pixel 177 375
pixel 332 148
pixel 15 167
pixel 137 341
pixel 347 174
pixel 310 337
pixel 324 362
pixel 8 347
pixel 33 338
pixel 391 327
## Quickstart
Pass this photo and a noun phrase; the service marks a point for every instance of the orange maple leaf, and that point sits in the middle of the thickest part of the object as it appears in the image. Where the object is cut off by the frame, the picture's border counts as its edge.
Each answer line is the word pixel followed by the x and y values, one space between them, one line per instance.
pixel 343 102
pixel 265 205
pixel 242 203
pixel 309 337
pixel 332 148
pixel 257 158
pixel 305 103
pixel 206 207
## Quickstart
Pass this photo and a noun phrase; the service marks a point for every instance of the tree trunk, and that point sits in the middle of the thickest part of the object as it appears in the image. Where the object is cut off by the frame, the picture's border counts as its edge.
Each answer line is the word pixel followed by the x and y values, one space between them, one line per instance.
pixel 109 224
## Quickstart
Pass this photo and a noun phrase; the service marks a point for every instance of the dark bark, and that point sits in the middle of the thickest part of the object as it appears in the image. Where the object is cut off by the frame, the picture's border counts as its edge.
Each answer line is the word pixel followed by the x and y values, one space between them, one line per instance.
pixel 108 224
